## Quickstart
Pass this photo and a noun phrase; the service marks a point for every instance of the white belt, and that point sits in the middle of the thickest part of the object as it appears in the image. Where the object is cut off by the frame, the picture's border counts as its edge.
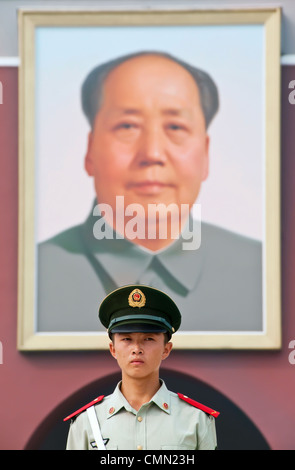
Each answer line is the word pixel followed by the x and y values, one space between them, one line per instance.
pixel 95 428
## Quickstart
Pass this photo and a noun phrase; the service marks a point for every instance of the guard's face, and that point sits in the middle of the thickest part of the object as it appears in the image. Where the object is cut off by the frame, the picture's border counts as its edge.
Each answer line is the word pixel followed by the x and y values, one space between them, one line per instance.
pixel 149 142
pixel 140 354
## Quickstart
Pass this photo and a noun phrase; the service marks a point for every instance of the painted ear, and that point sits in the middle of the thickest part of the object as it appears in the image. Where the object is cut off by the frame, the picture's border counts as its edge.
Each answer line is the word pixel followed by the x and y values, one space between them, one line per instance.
pixel 88 162
pixel 206 160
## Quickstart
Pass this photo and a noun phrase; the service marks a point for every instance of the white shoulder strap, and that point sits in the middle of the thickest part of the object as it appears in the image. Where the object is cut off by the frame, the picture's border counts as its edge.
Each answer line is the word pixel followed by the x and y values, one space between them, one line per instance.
pixel 95 428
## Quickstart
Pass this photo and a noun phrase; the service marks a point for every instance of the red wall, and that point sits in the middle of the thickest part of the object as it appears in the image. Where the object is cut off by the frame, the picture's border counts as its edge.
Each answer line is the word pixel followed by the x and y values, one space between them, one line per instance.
pixel 262 384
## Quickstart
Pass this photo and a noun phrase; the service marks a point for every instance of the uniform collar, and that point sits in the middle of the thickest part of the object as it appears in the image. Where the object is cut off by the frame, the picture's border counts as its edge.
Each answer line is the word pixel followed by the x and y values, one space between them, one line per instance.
pixel 115 254
pixel 118 401
pixel 162 398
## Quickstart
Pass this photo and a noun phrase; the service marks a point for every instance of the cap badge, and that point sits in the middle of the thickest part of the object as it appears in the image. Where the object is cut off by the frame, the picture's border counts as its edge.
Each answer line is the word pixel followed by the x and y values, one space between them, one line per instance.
pixel 136 298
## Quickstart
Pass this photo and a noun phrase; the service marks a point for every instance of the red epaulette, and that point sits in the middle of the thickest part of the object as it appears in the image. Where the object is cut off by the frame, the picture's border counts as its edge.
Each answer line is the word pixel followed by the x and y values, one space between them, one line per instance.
pixel 93 402
pixel 204 408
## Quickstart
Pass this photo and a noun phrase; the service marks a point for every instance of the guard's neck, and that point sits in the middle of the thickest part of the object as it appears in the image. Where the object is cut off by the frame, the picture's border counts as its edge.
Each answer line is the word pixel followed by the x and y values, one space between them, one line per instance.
pixel 139 391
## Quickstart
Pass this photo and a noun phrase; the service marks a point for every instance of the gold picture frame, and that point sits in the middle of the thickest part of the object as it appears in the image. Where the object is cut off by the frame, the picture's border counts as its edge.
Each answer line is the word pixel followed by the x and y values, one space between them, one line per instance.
pixel 29 338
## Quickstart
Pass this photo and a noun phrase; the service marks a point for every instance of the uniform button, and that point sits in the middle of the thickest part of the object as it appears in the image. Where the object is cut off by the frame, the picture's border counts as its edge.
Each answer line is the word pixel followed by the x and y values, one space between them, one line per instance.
pixel 139 447
pixel 139 419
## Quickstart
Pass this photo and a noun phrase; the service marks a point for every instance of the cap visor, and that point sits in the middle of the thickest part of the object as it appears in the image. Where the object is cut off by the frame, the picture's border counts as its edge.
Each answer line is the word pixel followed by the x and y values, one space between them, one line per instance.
pixel 138 328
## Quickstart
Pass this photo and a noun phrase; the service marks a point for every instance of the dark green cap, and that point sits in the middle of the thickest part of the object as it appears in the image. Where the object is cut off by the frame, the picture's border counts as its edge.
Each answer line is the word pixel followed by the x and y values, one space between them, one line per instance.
pixel 139 308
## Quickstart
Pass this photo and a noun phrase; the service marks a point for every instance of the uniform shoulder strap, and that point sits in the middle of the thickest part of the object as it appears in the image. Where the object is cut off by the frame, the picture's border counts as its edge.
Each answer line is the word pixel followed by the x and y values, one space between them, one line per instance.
pixel 93 402
pixel 198 405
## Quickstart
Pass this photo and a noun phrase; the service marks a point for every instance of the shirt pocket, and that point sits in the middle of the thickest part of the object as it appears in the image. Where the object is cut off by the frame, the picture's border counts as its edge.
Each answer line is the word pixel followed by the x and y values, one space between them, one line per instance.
pixel 177 447
pixel 93 446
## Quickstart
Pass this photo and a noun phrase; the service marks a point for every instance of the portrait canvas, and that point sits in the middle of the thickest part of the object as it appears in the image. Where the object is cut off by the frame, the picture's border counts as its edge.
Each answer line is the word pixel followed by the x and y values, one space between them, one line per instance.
pixel 223 267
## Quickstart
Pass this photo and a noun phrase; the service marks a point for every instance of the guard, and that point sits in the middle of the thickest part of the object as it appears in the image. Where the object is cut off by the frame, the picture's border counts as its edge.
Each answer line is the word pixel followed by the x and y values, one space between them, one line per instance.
pixel 141 413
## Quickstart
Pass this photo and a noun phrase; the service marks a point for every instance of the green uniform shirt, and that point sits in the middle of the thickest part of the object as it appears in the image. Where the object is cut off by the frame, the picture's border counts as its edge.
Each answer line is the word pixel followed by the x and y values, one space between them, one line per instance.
pixel 76 271
pixel 165 422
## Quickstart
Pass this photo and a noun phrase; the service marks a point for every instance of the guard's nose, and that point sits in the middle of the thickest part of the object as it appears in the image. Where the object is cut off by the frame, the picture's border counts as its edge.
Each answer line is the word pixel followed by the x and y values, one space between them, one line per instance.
pixel 137 348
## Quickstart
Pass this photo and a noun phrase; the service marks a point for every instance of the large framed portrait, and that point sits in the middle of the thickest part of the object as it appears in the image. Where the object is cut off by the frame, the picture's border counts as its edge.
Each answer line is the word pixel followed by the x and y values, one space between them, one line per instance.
pixel 150 154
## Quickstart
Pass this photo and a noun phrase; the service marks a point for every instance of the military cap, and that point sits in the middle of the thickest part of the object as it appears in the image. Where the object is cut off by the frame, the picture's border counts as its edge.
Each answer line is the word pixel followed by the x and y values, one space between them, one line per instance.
pixel 139 308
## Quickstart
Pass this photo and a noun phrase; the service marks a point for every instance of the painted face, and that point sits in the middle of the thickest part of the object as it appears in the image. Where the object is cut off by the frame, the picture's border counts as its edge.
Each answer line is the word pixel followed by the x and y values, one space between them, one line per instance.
pixel 149 141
